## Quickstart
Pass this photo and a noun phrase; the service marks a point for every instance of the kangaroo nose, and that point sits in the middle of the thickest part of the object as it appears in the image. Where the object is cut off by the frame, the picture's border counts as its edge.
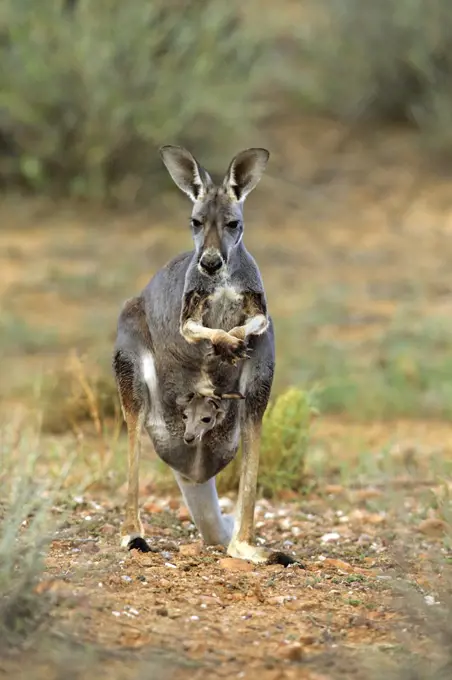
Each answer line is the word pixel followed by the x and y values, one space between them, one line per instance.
pixel 211 262
pixel 189 438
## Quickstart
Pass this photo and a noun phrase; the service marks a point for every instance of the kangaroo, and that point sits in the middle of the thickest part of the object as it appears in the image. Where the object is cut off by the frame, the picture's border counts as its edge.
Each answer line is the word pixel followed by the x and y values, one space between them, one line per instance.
pixel 208 300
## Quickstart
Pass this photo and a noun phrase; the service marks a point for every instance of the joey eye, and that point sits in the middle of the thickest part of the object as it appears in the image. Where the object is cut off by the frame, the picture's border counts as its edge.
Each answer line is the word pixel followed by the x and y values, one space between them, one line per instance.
pixel 233 224
pixel 184 416
pixel 206 419
pixel 196 224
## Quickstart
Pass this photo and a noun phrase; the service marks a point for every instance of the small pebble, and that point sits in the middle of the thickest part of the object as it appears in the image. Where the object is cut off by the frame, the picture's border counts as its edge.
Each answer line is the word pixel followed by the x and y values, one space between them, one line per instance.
pixel 161 611
pixel 183 515
pixel 191 549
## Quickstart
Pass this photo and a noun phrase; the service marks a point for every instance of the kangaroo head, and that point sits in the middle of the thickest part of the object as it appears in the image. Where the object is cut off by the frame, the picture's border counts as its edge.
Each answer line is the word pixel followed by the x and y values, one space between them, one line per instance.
pixel 217 215
pixel 201 414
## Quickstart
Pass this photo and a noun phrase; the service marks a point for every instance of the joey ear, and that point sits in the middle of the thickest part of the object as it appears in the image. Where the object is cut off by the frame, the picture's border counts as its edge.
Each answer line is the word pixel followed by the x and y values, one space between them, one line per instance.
pixel 215 401
pixel 244 172
pixel 220 416
pixel 185 399
pixel 185 171
pixel 233 395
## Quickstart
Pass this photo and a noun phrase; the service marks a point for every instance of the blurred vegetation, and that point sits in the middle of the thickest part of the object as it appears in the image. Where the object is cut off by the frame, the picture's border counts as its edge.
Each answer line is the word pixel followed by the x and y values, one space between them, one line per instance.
pixel 25 534
pixel 89 90
pixel 384 60
pixel 18 335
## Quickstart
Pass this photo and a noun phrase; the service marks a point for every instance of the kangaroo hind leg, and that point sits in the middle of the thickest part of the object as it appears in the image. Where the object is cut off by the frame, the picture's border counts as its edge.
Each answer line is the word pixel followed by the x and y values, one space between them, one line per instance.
pixel 134 402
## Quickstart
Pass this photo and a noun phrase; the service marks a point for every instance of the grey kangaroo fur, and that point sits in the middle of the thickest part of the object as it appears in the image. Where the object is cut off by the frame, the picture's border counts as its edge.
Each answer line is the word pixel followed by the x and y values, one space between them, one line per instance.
pixel 209 301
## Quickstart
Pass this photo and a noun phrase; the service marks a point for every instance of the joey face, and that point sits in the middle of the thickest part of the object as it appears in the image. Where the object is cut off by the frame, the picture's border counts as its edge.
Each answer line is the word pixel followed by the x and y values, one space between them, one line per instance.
pixel 201 415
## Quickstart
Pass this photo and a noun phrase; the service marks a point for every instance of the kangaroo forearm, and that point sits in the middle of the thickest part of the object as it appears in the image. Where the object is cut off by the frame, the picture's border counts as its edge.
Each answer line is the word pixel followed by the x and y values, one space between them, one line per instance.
pixel 191 326
pixel 256 325
pixel 193 331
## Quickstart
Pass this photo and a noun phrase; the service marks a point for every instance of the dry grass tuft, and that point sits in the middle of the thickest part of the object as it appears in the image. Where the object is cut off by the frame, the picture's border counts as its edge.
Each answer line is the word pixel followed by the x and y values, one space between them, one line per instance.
pixel 80 393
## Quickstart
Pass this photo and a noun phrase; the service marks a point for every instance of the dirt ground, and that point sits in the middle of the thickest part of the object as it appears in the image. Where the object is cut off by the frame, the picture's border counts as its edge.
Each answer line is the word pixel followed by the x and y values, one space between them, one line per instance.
pixel 372 222
pixel 209 615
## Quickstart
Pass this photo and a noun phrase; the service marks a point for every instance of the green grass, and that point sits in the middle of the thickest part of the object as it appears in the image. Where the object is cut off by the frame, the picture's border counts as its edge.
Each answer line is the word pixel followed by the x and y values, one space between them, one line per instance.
pixel 404 370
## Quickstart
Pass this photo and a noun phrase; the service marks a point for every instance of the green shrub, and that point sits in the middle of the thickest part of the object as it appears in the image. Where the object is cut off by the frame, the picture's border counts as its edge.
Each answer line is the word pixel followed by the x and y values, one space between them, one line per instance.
pixel 285 435
pixel 87 96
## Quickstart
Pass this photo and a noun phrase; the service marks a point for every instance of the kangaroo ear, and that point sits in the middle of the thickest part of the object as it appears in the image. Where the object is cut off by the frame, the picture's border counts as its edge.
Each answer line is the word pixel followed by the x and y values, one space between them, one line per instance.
pixel 186 172
pixel 185 399
pixel 244 172
pixel 233 395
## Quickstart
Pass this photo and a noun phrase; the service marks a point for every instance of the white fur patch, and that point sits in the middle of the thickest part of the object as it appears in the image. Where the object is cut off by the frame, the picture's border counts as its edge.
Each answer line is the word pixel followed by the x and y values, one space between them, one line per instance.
pixel 245 378
pixel 235 436
pixel 226 292
pixel 155 418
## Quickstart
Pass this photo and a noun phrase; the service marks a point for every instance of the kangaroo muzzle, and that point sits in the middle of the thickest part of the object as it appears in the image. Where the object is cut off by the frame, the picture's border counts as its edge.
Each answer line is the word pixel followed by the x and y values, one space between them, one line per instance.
pixel 211 262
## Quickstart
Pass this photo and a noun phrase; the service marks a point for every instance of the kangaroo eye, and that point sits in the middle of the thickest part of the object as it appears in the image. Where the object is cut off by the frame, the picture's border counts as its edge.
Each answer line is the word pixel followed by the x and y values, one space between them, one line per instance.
pixel 196 224
pixel 184 416
pixel 206 419
pixel 233 224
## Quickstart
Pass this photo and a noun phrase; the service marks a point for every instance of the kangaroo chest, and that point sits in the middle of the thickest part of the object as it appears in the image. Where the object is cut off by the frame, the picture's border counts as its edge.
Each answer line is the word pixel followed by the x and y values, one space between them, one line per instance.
pixel 225 308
